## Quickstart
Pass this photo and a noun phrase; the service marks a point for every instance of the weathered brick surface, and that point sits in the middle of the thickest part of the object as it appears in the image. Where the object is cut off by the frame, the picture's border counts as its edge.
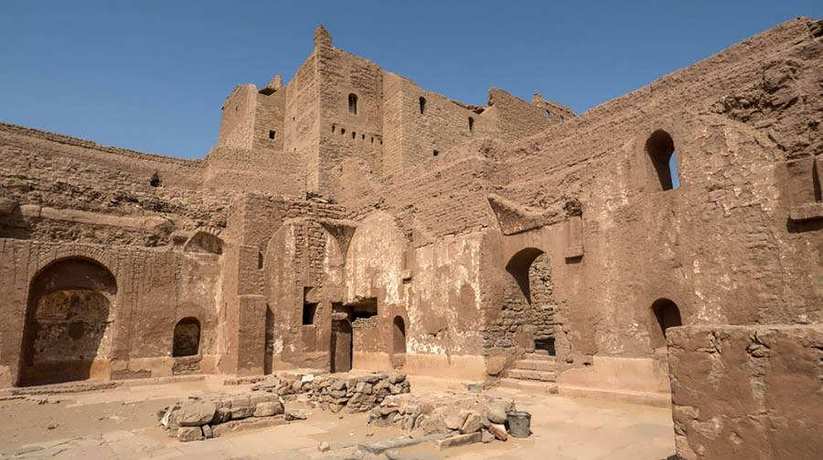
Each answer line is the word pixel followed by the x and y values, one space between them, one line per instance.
pixel 747 391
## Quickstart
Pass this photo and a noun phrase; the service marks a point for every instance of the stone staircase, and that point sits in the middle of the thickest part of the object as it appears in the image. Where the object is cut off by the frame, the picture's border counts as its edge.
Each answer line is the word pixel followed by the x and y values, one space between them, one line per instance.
pixel 535 371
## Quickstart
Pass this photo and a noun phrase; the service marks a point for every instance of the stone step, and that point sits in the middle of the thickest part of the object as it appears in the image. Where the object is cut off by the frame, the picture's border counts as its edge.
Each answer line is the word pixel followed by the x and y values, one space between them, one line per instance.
pixel 533 386
pixel 535 365
pixel 539 355
pixel 524 374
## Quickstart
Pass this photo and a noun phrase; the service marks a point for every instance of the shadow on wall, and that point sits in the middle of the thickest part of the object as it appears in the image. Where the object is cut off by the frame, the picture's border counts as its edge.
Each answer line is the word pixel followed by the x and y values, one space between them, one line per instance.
pixel 67 322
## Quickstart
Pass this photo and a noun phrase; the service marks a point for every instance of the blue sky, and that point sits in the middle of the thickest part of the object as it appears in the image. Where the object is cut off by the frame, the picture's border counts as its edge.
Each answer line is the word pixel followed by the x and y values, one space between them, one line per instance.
pixel 151 75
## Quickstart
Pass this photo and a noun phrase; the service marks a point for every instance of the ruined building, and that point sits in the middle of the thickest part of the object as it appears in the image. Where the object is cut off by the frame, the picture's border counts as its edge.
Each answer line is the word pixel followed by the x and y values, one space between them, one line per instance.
pixel 351 219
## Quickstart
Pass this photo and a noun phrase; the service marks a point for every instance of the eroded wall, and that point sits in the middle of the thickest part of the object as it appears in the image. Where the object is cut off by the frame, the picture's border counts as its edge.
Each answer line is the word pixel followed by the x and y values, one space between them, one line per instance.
pixel 746 391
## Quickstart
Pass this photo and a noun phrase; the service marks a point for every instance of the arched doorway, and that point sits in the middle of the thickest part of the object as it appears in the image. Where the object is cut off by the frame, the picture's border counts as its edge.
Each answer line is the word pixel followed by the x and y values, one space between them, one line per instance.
pixel 398 341
pixel 186 340
pixel 67 322
pixel 666 314
pixel 527 318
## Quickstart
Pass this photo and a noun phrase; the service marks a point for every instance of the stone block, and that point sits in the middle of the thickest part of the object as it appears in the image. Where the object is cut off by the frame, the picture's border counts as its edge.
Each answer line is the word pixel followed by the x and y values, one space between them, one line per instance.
pixel 196 413
pixel 189 433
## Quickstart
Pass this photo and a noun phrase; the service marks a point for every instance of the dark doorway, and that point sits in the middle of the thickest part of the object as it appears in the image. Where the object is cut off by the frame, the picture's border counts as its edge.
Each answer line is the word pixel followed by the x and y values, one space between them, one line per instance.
pixel 186 338
pixel 666 315
pixel 399 335
pixel 341 340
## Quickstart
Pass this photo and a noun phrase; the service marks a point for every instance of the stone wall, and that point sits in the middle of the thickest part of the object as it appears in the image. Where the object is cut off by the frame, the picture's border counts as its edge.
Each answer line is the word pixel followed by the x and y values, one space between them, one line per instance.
pixel 746 391
pixel 153 291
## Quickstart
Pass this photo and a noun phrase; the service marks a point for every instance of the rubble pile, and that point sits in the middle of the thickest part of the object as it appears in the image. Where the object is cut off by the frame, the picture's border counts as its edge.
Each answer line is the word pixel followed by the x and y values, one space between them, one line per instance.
pixel 198 418
pixel 334 393
pixel 449 413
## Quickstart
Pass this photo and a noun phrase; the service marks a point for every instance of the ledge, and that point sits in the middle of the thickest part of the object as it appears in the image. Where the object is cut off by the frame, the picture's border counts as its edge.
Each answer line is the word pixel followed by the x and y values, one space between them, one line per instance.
pixel 808 211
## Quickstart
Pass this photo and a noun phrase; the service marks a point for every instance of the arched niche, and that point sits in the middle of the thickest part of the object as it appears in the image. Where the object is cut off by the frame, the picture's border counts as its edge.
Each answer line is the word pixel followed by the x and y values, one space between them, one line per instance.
pixel 68 316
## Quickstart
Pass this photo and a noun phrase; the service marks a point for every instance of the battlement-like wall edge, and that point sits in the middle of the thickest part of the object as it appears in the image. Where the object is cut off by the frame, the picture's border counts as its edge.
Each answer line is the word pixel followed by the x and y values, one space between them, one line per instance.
pixel 78 142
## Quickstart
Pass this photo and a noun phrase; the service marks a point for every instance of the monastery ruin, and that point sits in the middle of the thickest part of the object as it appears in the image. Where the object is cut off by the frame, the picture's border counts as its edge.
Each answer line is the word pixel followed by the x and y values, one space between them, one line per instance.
pixel 665 247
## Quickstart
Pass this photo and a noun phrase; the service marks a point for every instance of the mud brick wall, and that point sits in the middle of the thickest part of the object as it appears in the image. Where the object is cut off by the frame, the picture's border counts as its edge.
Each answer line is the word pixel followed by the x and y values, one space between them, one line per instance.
pixel 67 189
pixel 154 289
pixel 747 391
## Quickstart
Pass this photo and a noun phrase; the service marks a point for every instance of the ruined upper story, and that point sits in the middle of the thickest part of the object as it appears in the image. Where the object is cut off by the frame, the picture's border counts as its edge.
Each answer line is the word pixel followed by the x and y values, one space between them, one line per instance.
pixel 340 108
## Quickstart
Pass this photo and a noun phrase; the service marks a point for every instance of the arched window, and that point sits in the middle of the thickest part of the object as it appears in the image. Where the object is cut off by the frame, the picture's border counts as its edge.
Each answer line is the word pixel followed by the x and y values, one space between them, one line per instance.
pixel 471 124
pixel 186 337
pixel 353 104
pixel 661 152
pixel 422 101
pixel 666 315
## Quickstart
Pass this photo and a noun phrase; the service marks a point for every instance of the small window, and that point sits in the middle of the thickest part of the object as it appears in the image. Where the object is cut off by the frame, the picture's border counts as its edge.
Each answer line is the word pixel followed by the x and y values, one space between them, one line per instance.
pixel 471 124
pixel 333 128
pixel 342 131
pixel 272 134
pixel 372 139
pixel 547 114
pixel 422 104
pixel 353 134
pixel 309 312
pixel 353 104
pixel 435 153
pixel 362 137
pixel 661 152
pixel 259 260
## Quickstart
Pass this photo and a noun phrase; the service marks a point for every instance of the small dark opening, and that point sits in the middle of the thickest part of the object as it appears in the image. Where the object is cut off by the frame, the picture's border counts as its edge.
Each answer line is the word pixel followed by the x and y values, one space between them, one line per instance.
pixel 660 149
pixel 259 260
pixel 353 104
pixel 667 315
pixel 272 134
pixel 309 312
pixel 471 124
pixel 342 130
pixel 186 337
pixel 818 193
pixel 546 345
pixel 154 181
pixel 547 114
pixel 364 309
pixel 422 104
pixel 435 153
pixel 353 134
pixel 362 137
pixel 333 128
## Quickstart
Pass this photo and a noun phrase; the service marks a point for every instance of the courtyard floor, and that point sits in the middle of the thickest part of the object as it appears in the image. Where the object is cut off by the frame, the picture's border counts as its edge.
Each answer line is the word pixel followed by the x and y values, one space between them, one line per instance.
pixel 122 423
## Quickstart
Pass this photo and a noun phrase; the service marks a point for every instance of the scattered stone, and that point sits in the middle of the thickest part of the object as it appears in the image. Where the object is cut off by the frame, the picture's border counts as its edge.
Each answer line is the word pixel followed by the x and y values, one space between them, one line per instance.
pixel 247 424
pixel 196 413
pixel 52 426
pixel 474 422
pixel 189 433
pixel 296 414
pixel 324 447
pixel 486 437
pixel 268 408
pixel 207 431
pixel 496 411
pixel 474 387
pixel 455 421
pixel 459 440
pixel 499 431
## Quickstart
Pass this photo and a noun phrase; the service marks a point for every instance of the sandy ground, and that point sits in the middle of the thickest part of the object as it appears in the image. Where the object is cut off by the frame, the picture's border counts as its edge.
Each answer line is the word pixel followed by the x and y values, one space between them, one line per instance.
pixel 122 423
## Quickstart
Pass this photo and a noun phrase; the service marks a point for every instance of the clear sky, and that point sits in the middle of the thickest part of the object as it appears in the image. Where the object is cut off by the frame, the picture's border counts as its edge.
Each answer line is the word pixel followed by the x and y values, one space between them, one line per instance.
pixel 151 75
